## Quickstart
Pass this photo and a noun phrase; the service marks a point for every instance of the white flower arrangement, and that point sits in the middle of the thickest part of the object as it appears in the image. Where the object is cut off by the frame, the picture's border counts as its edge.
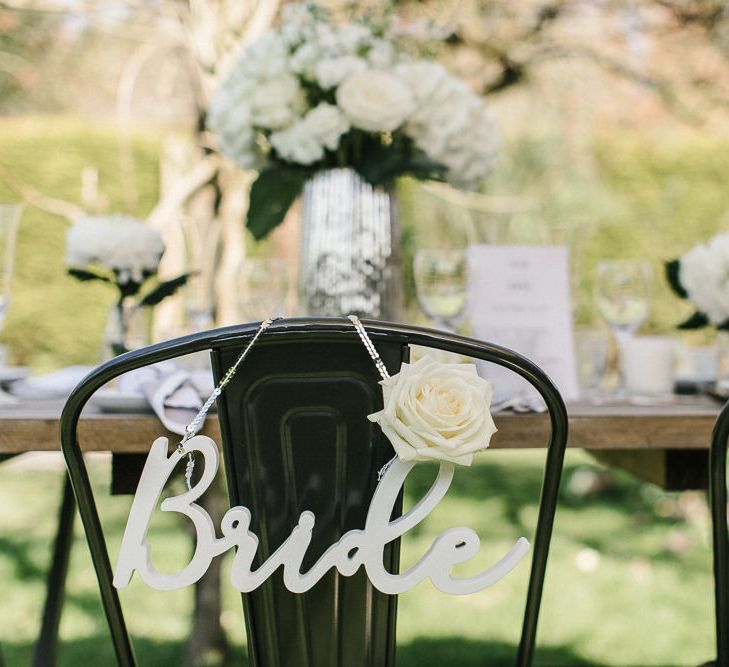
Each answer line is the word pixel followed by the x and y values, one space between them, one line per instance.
pixel 436 411
pixel 702 277
pixel 128 247
pixel 123 252
pixel 313 94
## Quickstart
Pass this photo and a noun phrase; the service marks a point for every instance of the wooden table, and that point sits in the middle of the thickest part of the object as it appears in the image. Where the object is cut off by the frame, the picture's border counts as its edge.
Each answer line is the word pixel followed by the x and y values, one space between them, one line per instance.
pixel 665 444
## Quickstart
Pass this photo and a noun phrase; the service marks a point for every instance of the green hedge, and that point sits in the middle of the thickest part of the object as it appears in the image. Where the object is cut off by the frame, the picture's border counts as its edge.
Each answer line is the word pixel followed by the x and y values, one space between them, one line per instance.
pixel 54 320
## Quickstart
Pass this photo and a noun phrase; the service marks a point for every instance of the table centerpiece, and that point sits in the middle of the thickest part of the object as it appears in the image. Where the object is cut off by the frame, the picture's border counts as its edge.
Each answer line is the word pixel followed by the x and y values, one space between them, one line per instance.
pixel 336 112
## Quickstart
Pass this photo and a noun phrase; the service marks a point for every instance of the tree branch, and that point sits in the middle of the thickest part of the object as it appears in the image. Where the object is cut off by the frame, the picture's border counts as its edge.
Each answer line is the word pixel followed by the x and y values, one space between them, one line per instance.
pixel 200 175
pixel 33 197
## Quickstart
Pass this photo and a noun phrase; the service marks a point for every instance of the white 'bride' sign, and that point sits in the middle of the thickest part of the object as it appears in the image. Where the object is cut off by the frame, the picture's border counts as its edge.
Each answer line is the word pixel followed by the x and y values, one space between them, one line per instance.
pixel 354 549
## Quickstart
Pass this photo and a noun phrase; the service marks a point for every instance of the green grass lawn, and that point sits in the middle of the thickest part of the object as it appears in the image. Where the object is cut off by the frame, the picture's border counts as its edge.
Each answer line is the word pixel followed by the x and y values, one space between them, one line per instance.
pixel 628 583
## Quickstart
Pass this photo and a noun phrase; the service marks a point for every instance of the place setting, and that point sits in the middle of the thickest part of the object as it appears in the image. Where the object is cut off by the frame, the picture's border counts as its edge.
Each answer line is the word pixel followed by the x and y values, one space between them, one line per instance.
pixel 316 314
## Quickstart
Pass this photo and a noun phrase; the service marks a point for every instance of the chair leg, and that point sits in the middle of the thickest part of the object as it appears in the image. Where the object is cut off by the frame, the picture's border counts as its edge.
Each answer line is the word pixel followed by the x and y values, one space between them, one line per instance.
pixel 46 649
pixel 718 497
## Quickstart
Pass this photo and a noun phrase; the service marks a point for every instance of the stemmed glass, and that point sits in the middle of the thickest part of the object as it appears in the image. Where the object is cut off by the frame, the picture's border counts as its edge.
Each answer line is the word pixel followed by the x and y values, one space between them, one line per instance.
pixel 440 285
pixel 623 296
pixel 263 287
pixel 9 221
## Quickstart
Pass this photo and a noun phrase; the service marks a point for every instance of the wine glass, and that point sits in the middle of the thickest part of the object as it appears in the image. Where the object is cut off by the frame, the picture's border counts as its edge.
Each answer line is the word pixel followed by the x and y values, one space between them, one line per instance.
pixel 622 296
pixel 440 285
pixel 263 287
pixel 9 221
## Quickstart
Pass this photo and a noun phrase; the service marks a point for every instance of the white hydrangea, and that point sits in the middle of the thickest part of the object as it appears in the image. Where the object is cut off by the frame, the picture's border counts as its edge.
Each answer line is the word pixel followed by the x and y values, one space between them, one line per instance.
pixel 277 102
pixel 381 54
pixel 297 144
pixel 305 141
pixel 298 23
pixel 118 242
pixel 327 124
pixel 330 72
pixel 304 59
pixel 229 116
pixel 450 123
pixel 704 274
pixel 267 57
pixel 267 99
pixel 353 37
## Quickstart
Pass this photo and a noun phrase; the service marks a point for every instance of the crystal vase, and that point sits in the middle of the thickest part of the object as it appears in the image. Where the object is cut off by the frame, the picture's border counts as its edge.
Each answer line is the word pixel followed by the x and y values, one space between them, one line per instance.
pixel 350 248
pixel 127 328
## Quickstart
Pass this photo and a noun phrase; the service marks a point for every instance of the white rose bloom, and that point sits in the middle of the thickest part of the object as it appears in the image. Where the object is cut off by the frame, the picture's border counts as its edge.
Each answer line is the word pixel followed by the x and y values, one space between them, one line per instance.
pixel 375 100
pixel 129 246
pixel 298 144
pixel 277 102
pixel 327 123
pixel 704 274
pixel 330 72
pixel 435 410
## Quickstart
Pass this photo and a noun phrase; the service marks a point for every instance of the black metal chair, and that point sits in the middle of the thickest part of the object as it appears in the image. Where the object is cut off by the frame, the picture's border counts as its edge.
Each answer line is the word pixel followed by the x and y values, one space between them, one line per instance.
pixel 301 396
pixel 718 501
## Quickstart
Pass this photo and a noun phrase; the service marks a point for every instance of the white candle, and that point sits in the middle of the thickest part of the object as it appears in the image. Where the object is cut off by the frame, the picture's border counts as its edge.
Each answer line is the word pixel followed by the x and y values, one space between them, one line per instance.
pixel 648 364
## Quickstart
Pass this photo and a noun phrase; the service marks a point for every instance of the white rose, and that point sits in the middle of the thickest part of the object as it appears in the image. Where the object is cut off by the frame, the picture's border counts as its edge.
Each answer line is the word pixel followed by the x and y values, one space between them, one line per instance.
pixel 434 410
pixel 704 274
pixel 330 72
pixel 327 123
pixel 417 352
pixel 375 100
pixel 277 102
pixel 128 246
pixel 297 144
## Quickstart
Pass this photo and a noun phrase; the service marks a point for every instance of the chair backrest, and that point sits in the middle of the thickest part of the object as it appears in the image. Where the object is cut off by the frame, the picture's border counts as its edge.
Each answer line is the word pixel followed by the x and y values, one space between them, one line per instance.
pixel 718 502
pixel 295 437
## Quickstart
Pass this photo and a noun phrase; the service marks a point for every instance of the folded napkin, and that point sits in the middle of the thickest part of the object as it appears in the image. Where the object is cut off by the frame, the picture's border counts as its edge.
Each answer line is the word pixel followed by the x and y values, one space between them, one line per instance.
pixel 173 392
pixel 58 384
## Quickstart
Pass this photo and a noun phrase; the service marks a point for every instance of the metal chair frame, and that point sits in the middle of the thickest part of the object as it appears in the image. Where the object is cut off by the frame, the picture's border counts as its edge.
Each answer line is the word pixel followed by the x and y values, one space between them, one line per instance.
pixel 293 331
pixel 720 533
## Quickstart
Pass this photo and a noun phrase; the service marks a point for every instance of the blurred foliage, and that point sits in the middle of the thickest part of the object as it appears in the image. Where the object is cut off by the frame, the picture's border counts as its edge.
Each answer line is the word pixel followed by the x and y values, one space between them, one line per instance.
pixel 24 41
pixel 53 319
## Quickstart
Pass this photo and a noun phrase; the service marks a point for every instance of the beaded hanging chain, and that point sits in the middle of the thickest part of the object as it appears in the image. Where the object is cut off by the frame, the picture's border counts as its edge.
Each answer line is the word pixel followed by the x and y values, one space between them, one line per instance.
pixel 196 424
pixel 380 365
pixel 370 346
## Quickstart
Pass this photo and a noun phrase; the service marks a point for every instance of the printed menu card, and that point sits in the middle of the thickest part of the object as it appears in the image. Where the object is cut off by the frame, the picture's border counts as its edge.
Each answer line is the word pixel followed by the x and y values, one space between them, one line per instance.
pixel 519 297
